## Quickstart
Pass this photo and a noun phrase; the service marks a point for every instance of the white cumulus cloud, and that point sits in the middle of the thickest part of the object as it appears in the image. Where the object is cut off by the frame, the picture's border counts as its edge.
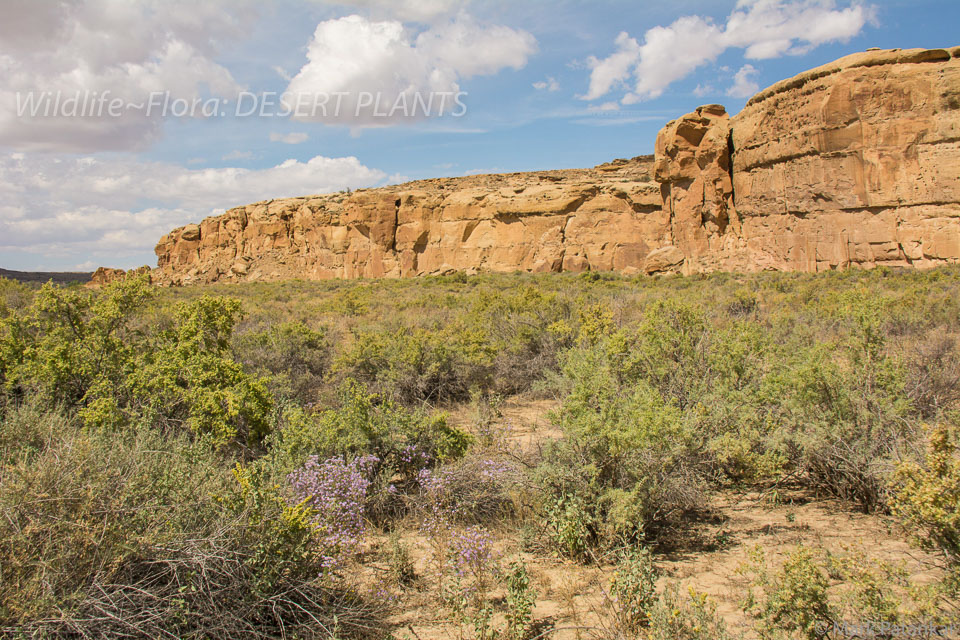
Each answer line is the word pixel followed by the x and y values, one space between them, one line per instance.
pixel 363 72
pixel 550 84
pixel 113 210
pixel 762 28
pixel 744 85
pixel 128 49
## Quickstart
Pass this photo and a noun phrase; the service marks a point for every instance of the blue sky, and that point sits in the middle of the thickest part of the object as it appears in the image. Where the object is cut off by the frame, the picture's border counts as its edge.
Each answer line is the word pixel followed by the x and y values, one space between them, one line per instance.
pixel 545 85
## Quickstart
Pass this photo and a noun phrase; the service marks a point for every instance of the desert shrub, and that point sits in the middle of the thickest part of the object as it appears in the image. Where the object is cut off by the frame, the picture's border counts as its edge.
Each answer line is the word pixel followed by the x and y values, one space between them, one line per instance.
pixel 633 591
pixel 927 496
pixel 793 599
pixel 278 530
pixel 88 351
pixel 527 329
pixel 70 343
pixel 592 499
pixel 362 423
pixel 882 595
pixel 744 303
pixel 188 377
pixel 674 617
pixel 104 534
pixel 294 357
pixel 415 365
pixel 14 297
pixel 572 526
pixel 845 415
pixel 667 350
pixel 477 489
pixel 520 600
pixel 933 374
pixel 631 456
pixel 402 569
pixel 28 428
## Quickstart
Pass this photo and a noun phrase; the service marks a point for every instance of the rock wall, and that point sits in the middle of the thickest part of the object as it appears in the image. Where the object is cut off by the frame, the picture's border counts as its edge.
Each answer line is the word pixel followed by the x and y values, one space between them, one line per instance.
pixel 856 163
pixel 105 275
pixel 606 218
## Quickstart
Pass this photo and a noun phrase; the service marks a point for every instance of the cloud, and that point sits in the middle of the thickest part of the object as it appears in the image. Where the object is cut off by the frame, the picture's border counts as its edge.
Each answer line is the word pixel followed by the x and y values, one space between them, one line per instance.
pixel 289 138
pixel 237 155
pixel 612 71
pixel 129 49
pixel 550 84
pixel 113 210
pixel 405 10
pixel 605 107
pixel 702 90
pixel 743 84
pixel 762 28
pixel 352 60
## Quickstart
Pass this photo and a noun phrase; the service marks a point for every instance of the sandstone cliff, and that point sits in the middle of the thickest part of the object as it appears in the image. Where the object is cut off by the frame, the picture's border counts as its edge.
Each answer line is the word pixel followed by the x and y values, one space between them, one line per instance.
pixel 602 219
pixel 853 163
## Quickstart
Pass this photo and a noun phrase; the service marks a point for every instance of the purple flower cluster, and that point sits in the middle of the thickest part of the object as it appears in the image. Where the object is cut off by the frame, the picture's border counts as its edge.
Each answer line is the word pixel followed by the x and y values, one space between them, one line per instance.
pixel 471 552
pixel 413 456
pixel 439 507
pixel 336 489
pixel 494 470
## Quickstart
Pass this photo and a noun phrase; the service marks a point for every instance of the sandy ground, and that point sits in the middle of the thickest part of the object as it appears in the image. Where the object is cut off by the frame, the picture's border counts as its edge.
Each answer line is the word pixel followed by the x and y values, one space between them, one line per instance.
pixel 572 597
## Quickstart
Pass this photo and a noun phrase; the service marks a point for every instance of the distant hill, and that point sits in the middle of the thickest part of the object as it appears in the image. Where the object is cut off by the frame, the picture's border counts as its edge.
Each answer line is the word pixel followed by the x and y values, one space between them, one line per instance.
pixel 60 277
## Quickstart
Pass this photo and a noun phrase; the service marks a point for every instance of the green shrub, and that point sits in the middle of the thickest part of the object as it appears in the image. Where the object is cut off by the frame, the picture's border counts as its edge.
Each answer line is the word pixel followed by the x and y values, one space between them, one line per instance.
pixel 291 355
pixel 187 376
pixel 527 329
pixel 415 365
pixel 792 600
pixel 633 591
pixel 103 533
pixel 692 618
pixel 571 526
pixel 70 342
pixel 927 497
pixel 88 351
pixel 520 601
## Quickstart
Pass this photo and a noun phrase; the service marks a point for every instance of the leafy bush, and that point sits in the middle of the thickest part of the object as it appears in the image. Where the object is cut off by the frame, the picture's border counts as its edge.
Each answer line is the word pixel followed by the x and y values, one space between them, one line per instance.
pixel 294 357
pixel 520 600
pixel 188 377
pixel 415 365
pixel 527 329
pixel 87 351
pixel 103 533
pixel 927 496
pixel 365 423
pixel 794 599
pixel 846 414
pixel 633 591
pixel 692 618
pixel 70 344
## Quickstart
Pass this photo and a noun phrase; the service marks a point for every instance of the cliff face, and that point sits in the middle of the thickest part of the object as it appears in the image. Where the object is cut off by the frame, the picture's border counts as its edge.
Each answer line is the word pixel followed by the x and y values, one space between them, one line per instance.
pixel 602 219
pixel 853 163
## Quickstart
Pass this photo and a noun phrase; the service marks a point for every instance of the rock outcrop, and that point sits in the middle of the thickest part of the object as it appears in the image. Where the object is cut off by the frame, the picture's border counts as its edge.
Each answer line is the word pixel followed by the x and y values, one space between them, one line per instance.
pixel 853 163
pixel 856 163
pixel 607 218
pixel 106 275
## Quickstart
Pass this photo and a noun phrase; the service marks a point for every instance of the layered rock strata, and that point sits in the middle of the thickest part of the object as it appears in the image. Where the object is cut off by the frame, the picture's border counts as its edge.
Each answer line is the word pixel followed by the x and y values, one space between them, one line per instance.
pixel 856 163
pixel 607 218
